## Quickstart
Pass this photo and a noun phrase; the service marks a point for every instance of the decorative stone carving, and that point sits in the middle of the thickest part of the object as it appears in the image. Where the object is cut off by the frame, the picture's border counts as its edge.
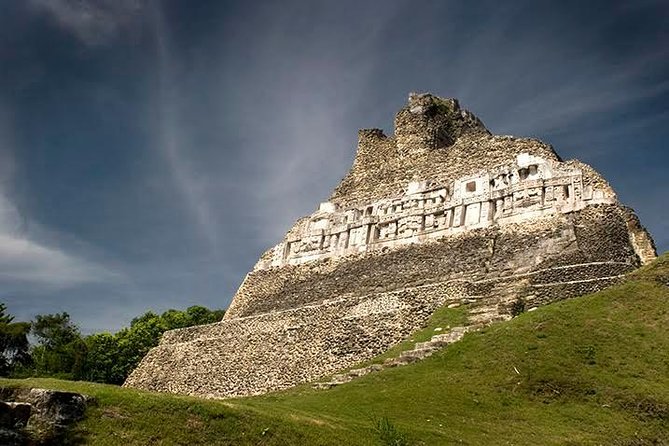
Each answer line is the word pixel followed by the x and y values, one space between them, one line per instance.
pixel 508 194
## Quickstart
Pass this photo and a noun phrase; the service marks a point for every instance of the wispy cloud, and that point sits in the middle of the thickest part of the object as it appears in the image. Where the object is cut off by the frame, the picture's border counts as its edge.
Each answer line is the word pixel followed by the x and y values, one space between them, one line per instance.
pixel 300 104
pixel 580 97
pixel 94 22
pixel 170 141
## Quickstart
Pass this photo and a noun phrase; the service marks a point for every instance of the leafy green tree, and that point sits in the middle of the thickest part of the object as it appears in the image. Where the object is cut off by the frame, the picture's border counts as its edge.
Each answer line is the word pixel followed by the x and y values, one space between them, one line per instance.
pixel 111 358
pixel 14 345
pixel 175 319
pixel 201 315
pixel 54 330
pixel 102 359
pixel 60 350
pixel 136 341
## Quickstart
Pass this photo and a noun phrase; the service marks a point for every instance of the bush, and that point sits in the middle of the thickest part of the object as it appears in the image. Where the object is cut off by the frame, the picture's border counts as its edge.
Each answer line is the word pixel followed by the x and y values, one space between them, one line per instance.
pixel 389 434
pixel 518 307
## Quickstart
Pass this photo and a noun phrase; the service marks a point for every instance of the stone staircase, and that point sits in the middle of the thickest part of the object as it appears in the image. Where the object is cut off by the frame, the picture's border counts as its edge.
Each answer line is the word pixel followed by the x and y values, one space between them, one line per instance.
pixel 420 351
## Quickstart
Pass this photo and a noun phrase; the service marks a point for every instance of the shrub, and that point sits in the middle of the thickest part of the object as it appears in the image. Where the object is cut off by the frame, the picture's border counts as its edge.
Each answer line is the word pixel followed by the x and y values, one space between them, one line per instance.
pixel 518 307
pixel 389 434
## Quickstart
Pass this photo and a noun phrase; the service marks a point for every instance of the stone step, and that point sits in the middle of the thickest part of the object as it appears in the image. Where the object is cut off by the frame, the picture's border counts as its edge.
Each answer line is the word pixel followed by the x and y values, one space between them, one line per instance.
pixel 358 372
pixel 420 351
pixel 341 379
pixel 396 362
pixel 455 334
pixel 439 343
pixel 390 362
pixel 427 345
pixel 444 339
pixel 411 359
pixel 416 354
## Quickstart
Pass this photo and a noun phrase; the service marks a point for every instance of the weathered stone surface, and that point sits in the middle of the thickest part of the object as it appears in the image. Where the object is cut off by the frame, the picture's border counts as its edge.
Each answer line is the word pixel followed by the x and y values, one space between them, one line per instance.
pixel 21 413
pixel 14 415
pixel 56 407
pixel 10 437
pixel 6 415
pixel 38 416
pixel 441 213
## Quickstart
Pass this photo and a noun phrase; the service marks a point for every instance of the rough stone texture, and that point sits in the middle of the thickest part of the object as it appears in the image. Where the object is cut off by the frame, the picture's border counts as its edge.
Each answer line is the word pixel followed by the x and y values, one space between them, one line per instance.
pixel 441 213
pixel 14 415
pixel 38 416
pixel 420 351
pixel 56 407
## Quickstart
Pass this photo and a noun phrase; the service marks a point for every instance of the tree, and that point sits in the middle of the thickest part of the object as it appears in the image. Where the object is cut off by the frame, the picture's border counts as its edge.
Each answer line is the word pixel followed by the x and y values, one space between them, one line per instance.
pixel 13 342
pixel 60 350
pixel 111 358
pixel 54 330
pixel 201 315
pixel 136 341
pixel 102 359
pixel 172 319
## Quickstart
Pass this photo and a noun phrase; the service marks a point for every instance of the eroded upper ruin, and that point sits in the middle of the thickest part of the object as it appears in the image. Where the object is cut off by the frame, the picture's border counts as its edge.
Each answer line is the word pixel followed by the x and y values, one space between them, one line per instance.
pixel 441 213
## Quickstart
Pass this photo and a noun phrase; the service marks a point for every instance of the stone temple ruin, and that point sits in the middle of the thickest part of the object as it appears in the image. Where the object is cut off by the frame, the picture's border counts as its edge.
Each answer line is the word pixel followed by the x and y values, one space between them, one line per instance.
pixel 441 213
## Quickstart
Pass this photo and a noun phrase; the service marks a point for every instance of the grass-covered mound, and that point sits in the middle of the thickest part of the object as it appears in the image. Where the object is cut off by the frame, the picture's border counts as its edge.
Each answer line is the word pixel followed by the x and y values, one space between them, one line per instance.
pixel 592 370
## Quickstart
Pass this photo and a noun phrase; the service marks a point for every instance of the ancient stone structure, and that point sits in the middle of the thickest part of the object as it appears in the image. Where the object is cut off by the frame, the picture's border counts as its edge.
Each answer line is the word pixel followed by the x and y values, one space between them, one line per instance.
pixel 441 213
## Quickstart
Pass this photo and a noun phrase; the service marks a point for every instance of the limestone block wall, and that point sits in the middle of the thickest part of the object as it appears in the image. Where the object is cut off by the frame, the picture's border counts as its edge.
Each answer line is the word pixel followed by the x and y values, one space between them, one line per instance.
pixel 385 164
pixel 276 350
pixel 595 234
pixel 279 349
pixel 429 123
pixel 643 244
pixel 468 255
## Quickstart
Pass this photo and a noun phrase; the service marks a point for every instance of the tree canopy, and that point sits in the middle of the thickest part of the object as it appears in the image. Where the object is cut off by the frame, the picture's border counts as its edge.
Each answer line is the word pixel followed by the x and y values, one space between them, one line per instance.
pixel 61 351
pixel 14 343
pixel 113 357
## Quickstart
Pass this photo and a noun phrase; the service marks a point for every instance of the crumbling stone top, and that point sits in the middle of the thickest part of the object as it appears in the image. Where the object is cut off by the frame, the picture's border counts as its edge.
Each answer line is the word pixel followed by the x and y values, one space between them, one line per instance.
pixel 441 173
pixel 429 123
pixel 434 139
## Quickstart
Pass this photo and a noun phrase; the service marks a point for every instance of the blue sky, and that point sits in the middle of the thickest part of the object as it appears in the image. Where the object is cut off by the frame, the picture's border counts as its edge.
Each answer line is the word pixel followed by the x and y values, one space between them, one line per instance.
pixel 151 150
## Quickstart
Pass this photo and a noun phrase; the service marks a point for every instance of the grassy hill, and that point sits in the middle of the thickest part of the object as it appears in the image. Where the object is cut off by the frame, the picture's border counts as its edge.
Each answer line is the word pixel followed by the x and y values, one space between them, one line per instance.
pixel 592 370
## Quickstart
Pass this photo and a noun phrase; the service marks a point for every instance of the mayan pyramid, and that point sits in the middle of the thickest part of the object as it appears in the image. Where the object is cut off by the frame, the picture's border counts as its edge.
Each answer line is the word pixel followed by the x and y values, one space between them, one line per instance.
pixel 441 213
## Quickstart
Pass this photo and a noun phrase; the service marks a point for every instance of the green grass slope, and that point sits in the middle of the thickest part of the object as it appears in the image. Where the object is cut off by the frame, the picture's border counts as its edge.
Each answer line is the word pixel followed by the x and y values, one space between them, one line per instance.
pixel 587 371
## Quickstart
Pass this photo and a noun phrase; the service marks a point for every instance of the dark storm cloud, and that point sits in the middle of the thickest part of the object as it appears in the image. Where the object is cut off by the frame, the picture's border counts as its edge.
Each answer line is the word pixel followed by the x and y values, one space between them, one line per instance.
pixel 158 168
